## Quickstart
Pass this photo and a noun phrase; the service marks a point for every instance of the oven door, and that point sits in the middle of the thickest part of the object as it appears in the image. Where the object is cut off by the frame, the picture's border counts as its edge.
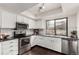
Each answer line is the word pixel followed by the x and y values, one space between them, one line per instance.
pixel 24 42
pixel 24 45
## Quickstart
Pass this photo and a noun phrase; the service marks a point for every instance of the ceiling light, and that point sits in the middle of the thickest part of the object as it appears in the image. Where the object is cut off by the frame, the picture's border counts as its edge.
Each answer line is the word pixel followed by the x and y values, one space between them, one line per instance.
pixel 41 7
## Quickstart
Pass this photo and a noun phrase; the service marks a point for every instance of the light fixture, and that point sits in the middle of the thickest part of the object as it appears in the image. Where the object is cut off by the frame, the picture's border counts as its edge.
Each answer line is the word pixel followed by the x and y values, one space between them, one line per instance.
pixel 41 7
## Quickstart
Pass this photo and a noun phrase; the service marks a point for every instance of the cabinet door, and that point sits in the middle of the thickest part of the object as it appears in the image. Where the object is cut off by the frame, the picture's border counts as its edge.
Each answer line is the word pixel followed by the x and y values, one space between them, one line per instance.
pixel 44 42
pixel 31 24
pixel 8 20
pixel 41 41
pixel 0 20
pixel 78 47
pixel 38 24
pixel 49 42
pixel 33 41
pixel 26 20
pixel 56 44
pixel 10 47
pixel 65 47
pixel 0 48
pixel 20 19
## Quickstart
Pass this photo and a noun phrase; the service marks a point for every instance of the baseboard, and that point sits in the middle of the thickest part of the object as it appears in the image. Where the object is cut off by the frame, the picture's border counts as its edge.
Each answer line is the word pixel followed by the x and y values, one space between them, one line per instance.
pixel 47 49
pixel 34 46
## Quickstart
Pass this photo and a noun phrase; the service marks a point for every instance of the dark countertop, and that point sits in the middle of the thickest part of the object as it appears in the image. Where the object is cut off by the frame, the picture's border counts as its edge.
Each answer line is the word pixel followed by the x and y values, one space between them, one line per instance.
pixel 12 38
pixel 2 40
pixel 70 39
pixel 62 37
pixel 54 36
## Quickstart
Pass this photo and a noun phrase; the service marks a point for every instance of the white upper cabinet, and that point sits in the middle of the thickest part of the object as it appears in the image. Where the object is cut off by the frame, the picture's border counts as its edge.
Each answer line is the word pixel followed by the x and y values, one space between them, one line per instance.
pixel 0 20
pixel 56 44
pixel 32 24
pixel 26 20
pixel 38 24
pixel 20 19
pixel 35 24
pixel 7 20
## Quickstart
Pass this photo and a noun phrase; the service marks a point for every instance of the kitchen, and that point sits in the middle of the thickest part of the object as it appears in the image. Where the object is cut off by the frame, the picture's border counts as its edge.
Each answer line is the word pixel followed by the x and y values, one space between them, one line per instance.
pixel 48 26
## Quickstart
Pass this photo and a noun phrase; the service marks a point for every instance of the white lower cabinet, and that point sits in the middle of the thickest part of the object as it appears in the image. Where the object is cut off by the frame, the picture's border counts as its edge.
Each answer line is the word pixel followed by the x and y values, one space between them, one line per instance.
pixel 47 42
pixel 40 41
pixel 10 47
pixel 78 47
pixel 33 41
pixel 0 48
pixel 56 44
pixel 44 42
pixel 51 43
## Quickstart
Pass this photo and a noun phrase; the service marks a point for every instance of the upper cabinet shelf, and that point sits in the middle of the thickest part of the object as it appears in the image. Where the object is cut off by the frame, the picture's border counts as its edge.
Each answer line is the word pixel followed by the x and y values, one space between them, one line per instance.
pixel 35 24
pixel 7 19
pixel 32 23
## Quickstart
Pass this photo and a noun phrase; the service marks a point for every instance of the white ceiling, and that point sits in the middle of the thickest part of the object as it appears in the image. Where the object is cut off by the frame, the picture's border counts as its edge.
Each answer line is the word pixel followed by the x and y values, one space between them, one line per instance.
pixel 70 8
pixel 48 7
pixel 32 9
pixel 16 7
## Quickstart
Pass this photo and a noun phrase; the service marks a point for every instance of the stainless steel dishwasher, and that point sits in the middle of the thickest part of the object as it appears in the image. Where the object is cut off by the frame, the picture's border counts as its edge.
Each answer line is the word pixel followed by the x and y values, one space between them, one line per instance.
pixel 70 46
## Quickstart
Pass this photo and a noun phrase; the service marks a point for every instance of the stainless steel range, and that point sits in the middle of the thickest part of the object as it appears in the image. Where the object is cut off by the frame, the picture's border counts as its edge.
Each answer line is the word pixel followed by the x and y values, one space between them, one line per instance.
pixel 24 44
pixel 24 40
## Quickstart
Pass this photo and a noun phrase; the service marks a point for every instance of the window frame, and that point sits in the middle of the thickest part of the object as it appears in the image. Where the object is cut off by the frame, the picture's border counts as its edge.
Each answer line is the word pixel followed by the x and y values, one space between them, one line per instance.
pixel 55 33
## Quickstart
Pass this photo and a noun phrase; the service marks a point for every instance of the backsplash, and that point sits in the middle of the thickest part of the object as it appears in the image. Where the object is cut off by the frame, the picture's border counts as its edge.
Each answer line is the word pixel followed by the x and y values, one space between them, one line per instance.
pixel 10 32
pixel 7 31
pixel 29 32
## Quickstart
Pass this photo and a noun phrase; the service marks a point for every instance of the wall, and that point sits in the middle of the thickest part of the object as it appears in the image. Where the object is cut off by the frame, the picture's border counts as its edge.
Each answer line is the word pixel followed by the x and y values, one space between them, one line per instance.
pixel 10 32
pixel 71 22
pixel 7 31
pixel 78 24
pixel 29 32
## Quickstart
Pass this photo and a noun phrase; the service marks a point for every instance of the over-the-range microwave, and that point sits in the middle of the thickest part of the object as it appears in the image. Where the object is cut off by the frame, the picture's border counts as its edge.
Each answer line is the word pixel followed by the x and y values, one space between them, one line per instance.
pixel 21 26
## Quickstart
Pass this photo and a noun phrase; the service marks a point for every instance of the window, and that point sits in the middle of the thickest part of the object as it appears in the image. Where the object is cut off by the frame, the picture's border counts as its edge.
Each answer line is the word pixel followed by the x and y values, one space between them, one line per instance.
pixel 50 27
pixel 57 27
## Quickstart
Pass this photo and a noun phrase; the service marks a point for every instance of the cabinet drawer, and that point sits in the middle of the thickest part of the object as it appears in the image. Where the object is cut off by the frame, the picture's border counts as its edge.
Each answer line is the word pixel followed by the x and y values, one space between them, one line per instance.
pixel 13 53
pixel 15 46
pixel 10 42
pixel 8 46
pixel 10 52
pixel 0 48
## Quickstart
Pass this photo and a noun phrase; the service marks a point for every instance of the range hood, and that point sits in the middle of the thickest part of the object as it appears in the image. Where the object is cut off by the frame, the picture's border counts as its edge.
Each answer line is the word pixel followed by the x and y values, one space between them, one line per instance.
pixel 20 26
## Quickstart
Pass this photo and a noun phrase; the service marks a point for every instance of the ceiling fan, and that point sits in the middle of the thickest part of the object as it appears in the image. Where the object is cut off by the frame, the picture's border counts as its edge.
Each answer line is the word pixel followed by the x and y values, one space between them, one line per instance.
pixel 40 9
